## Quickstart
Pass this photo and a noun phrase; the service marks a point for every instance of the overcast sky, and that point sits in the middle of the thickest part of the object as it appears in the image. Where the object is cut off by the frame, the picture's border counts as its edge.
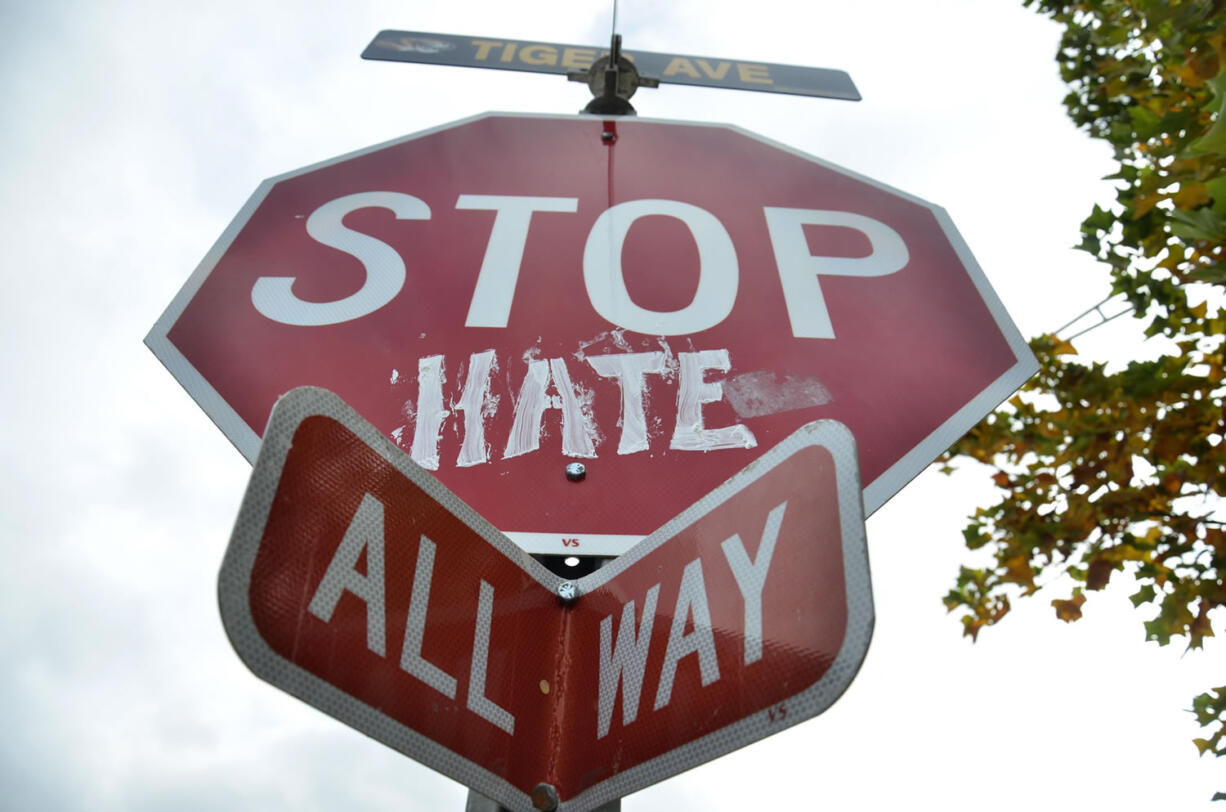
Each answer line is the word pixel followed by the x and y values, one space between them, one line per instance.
pixel 134 131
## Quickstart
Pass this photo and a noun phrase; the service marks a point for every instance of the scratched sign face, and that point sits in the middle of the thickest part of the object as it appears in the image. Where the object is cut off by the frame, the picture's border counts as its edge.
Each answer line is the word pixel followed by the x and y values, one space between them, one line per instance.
pixel 659 301
pixel 355 582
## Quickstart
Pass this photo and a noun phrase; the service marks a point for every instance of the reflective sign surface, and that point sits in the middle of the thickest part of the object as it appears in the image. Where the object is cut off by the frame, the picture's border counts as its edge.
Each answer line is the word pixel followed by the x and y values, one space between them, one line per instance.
pixel 662 301
pixel 356 582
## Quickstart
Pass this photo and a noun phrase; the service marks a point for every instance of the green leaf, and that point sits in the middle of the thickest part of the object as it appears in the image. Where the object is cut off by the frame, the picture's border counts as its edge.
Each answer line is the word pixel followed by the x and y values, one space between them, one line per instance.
pixel 973 537
pixel 1158 631
pixel 1073 504
pixel 1214 141
pixel 1201 224
pixel 1215 273
pixel 1143 595
pixel 1145 123
pixel 1099 220
pixel 1217 190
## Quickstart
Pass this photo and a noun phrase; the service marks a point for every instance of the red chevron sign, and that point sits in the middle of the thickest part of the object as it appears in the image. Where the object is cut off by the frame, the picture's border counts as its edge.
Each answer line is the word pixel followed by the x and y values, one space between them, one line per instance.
pixel 355 581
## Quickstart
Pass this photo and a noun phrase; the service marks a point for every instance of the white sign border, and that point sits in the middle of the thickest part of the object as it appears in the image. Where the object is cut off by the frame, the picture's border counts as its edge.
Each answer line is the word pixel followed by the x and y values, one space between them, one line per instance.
pixel 234 581
pixel 548 540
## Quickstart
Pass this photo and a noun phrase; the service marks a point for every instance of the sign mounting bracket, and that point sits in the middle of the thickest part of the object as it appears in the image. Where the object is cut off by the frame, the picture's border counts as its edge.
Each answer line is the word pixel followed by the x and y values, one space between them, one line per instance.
pixel 613 79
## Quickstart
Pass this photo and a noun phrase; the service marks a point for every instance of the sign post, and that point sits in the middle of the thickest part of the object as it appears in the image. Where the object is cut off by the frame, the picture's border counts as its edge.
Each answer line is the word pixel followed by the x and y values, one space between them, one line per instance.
pixel 355 581
pixel 681 344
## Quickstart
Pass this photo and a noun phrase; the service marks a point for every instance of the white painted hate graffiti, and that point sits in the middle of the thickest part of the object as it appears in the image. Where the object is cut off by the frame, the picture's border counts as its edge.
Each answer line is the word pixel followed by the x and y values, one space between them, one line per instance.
pixel 570 388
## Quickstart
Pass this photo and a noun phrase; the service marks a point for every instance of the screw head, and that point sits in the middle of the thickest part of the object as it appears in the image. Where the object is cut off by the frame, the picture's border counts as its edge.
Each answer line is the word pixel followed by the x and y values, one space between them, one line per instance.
pixel 568 591
pixel 576 471
pixel 544 797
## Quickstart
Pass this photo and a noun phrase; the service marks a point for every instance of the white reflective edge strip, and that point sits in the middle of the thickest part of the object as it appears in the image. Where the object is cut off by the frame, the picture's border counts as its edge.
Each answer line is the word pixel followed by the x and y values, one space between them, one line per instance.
pixel 234 583
pixel 876 493
pixel 214 405
pixel 244 437
pixel 807 702
pixel 911 464
pixel 235 578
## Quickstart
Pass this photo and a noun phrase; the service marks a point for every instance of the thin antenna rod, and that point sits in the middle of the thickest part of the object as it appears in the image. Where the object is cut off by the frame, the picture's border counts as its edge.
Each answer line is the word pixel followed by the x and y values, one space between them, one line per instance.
pixel 613 33
pixel 1096 309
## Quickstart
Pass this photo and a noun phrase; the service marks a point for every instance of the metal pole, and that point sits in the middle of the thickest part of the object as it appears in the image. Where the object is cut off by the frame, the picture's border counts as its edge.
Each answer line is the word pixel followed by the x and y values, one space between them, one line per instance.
pixel 613 80
pixel 479 803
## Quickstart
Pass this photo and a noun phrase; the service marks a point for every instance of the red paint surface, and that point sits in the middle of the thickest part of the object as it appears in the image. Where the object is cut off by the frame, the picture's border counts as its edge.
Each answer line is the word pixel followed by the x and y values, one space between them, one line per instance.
pixel 532 638
pixel 912 347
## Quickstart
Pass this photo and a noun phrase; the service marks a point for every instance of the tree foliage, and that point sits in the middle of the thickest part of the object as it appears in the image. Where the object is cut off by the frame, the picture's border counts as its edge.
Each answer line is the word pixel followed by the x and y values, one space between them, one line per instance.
pixel 1104 470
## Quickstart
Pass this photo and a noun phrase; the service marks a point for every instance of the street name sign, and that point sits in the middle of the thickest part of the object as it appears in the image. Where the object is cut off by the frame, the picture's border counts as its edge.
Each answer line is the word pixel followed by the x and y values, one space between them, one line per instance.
pixel 660 301
pixel 551 57
pixel 358 583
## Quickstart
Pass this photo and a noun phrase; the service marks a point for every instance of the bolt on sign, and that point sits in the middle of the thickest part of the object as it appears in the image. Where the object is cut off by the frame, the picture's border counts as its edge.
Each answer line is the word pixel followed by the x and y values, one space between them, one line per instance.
pixel 662 301
pixel 355 581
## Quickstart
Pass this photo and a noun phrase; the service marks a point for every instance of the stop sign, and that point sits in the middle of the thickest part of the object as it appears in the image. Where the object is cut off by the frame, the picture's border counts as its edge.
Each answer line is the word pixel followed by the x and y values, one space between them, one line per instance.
pixel 660 301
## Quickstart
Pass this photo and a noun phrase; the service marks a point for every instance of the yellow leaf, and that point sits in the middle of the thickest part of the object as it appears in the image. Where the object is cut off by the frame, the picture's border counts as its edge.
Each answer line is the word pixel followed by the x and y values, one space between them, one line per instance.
pixel 1189 76
pixel 1191 195
pixel 1064 347
pixel 1141 206
pixel 1099 573
pixel 1200 626
pixel 1019 571
pixel 1069 610
pixel 1080 517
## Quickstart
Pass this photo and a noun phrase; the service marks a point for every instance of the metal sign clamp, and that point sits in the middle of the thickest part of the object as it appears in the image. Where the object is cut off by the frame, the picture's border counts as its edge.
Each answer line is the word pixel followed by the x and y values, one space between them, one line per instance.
pixel 613 79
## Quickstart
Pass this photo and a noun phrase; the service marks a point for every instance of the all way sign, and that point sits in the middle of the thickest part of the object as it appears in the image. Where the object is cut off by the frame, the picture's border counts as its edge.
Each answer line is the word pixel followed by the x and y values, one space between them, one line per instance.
pixel 357 582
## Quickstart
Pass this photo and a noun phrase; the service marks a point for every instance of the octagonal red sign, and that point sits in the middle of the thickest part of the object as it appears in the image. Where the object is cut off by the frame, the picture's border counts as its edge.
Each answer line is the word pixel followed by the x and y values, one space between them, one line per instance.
pixel 659 301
